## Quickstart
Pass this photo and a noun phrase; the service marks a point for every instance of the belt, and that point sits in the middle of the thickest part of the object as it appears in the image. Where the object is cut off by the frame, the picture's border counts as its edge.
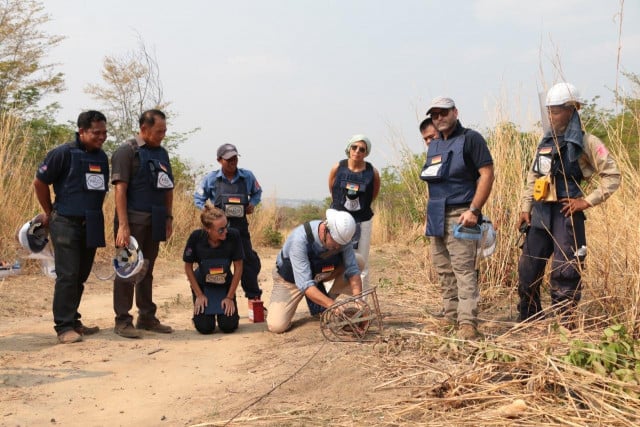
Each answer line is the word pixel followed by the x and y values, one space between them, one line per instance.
pixel 453 207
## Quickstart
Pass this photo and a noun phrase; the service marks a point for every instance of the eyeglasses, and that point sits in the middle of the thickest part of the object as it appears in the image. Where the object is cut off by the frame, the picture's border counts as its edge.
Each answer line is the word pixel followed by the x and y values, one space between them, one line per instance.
pixel 439 113
pixel 223 230
pixel 358 148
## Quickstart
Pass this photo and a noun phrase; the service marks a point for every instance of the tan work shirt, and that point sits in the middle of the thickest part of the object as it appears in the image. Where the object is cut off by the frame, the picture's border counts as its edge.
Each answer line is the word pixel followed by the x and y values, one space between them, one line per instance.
pixel 595 159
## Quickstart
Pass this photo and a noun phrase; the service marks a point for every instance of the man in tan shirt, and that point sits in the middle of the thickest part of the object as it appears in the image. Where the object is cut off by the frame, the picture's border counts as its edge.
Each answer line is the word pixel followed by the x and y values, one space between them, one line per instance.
pixel 553 203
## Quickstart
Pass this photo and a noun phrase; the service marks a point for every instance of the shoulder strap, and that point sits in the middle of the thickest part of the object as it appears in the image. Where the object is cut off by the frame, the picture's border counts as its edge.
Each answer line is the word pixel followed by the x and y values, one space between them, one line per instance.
pixel 307 229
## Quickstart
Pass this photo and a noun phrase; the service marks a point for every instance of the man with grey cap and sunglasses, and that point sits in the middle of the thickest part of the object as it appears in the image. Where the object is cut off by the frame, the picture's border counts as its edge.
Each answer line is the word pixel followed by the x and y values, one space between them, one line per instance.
pixel 459 173
pixel 237 192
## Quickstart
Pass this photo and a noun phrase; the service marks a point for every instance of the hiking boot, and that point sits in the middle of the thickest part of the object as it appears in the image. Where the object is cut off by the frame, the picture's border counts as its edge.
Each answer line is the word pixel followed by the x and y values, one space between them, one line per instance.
pixel 87 330
pixel 68 337
pixel 154 326
pixel 126 330
pixel 468 332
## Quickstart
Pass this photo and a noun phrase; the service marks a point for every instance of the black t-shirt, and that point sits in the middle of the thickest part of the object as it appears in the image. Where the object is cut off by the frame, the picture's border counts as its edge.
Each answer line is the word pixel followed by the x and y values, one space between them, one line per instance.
pixel 198 247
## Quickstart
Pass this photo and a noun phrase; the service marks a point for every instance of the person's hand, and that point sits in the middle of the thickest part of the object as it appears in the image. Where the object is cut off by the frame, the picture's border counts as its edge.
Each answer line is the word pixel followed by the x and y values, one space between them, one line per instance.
pixel 200 303
pixel 122 238
pixel 468 219
pixel 250 208
pixel 525 217
pixel 228 306
pixel 169 227
pixel 571 206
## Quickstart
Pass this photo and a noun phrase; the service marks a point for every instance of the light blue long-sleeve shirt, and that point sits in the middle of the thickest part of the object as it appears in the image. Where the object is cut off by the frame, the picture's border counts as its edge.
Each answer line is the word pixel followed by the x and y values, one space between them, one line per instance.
pixel 206 189
pixel 295 248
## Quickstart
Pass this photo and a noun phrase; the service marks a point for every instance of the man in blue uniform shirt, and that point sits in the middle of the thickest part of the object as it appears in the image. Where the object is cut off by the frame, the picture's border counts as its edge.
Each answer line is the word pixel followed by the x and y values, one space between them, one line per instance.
pixel 79 173
pixel 237 192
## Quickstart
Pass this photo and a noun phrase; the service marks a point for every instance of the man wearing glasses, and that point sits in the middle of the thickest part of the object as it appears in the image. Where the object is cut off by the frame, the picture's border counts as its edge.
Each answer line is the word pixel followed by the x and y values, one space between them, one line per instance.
pixel 315 252
pixel 237 192
pixel 459 173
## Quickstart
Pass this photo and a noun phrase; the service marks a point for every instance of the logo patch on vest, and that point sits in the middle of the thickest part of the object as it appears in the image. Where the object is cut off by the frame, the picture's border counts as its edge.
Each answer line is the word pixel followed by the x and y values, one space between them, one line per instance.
pixel 95 181
pixel 164 181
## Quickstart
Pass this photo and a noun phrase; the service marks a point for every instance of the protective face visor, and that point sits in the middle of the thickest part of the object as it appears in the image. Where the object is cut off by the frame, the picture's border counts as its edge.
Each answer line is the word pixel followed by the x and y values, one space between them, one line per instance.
pixel 33 235
pixel 487 240
pixel 128 260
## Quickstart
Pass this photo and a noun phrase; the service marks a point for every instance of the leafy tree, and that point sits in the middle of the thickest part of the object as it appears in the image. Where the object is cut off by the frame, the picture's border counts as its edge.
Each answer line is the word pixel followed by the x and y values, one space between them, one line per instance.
pixel 131 86
pixel 24 79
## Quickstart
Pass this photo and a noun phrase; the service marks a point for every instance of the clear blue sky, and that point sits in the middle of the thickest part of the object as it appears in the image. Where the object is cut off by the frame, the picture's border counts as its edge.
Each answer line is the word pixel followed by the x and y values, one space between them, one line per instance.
pixel 289 82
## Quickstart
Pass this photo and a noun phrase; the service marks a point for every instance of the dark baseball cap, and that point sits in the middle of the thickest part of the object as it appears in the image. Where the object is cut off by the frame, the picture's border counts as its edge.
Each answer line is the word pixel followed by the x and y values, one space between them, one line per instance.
pixel 227 151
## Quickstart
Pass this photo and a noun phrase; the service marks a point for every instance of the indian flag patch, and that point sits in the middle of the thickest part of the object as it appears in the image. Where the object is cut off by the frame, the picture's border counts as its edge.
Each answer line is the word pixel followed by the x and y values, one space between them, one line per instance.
pixel 352 186
pixel 545 150
pixel 234 199
pixel 163 167
pixel 95 168
pixel 216 270
pixel 436 160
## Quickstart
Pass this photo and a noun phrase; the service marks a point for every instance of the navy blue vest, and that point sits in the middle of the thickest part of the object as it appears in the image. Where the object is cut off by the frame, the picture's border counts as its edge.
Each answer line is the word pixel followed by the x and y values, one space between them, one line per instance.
pixel 450 181
pixel 567 173
pixel 324 262
pixel 229 195
pixel 84 187
pixel 353 191
pixel 147 187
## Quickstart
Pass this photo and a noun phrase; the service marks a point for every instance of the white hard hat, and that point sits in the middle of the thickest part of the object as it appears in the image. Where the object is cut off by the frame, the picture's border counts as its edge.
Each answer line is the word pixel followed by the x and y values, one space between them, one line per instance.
pixel 488 240
pixel 341 225
pixel 128 260
pixel 563 93
pixel 33 235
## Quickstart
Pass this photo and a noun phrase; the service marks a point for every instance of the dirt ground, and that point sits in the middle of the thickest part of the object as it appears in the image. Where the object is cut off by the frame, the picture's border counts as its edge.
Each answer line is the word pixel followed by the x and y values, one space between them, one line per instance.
pixel 250 377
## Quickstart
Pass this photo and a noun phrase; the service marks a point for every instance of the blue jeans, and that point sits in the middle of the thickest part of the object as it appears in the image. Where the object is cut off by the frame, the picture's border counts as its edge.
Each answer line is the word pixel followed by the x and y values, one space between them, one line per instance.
pixel 73 261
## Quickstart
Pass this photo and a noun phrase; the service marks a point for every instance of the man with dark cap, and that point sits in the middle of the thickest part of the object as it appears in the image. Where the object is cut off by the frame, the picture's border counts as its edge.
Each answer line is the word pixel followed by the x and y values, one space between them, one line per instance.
pixel 459 173
pixel 237 192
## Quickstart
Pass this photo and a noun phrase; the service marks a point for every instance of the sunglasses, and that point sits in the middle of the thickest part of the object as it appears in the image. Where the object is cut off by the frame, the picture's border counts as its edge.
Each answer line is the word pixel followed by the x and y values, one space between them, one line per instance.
pixel 223 230
pixel 439 113
pixel 358 148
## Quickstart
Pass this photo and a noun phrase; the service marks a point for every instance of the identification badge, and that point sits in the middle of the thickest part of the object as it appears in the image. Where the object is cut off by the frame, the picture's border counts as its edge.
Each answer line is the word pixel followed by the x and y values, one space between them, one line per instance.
pixel 352 205
pixel 234 211
pixel 164 181
pixel 216 276
pixel 431 170
pixel 95 181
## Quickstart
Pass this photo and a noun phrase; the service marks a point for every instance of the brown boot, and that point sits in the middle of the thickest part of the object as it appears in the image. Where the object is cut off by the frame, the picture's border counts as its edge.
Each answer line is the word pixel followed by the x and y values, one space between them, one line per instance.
pixel 126 330
pixel 153 325
pixel 87 330
pixel 468 332
pixel 68 337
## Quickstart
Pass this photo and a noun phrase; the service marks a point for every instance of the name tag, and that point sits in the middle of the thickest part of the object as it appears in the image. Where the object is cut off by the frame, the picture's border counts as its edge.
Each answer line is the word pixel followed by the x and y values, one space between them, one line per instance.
pixel 216 279
pixel 431 170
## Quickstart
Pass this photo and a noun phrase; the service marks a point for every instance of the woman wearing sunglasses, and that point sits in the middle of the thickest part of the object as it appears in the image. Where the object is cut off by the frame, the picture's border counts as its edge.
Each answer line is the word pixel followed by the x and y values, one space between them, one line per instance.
pixel 354 185
pixel 214 247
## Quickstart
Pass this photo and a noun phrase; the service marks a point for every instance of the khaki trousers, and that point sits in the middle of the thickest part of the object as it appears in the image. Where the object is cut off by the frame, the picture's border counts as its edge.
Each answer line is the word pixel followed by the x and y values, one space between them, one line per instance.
pixel 455 263
pixel 285 297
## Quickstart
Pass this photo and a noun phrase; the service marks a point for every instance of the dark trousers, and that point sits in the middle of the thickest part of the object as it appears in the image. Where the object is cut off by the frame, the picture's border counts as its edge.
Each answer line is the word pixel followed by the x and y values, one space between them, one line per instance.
pixel 123 289
pixel 251 264
pixel 73 261
pixel 561 240
pixel 206 323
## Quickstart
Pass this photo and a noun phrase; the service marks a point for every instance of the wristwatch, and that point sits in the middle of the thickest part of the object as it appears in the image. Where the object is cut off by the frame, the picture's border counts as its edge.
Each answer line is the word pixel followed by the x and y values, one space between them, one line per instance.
pixel 475 211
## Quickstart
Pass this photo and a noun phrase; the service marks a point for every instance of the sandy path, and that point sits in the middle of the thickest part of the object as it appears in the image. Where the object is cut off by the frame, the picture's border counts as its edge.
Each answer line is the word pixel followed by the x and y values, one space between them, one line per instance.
pixel 179 379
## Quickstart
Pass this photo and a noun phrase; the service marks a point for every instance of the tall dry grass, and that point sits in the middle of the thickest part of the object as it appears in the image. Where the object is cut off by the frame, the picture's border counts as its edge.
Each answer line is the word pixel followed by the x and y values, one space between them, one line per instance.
pixel 17 203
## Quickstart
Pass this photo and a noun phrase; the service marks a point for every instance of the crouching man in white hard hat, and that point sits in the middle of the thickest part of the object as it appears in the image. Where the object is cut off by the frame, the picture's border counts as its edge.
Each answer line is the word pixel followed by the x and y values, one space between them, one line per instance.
pixel 553 203
pixel 315 252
